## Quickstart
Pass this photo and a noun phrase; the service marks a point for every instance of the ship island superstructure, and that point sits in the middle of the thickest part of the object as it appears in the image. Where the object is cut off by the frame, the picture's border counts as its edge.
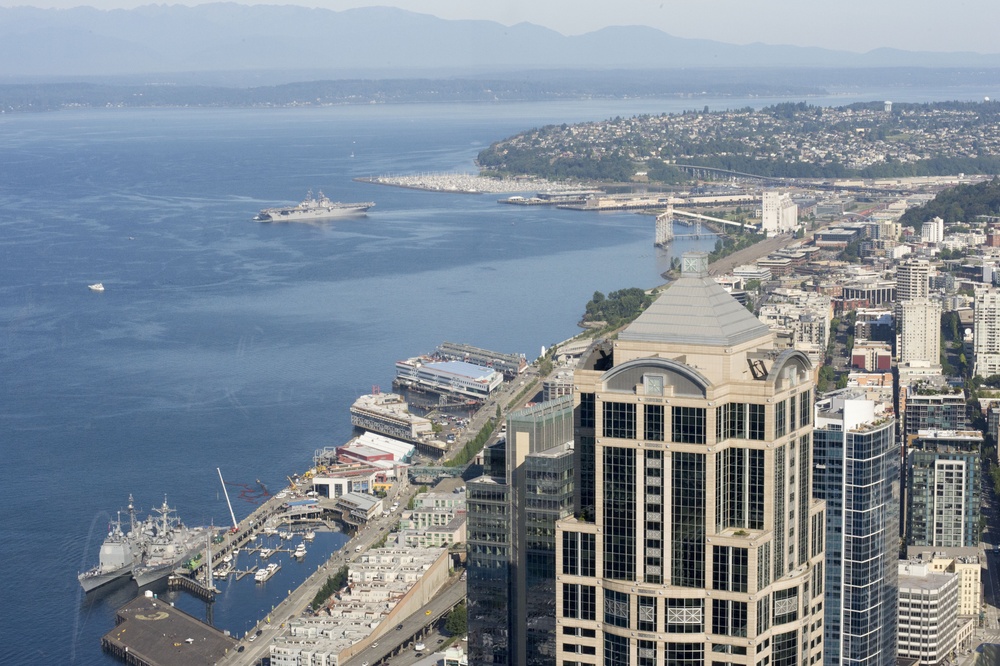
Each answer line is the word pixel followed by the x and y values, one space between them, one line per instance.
pixel 313 208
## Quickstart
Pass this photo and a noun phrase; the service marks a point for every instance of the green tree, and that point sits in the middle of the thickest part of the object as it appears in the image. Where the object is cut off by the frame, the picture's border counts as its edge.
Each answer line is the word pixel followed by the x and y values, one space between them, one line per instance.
pixel 457 623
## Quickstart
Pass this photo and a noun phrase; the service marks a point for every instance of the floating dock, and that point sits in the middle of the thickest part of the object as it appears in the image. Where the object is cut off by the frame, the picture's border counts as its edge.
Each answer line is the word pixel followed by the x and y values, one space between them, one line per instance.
pixel 150 632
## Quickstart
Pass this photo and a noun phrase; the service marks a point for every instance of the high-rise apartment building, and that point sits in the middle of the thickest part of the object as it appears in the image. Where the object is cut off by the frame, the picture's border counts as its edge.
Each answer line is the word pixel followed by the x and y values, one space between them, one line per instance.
pixel 913 279
pixel 986 332
pixel 696 538
pixel 857 472
pixel 918 330
pixel 512 512
pixel 943 490
pixel 933 407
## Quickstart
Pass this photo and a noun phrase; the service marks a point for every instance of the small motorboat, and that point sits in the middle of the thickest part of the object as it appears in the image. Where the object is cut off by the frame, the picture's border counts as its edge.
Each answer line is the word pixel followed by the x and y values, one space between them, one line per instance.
pixel 97 286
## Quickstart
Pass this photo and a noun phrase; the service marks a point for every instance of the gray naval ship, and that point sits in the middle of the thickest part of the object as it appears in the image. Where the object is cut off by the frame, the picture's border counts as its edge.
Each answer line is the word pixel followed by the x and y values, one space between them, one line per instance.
pixel 148 553
pixel 119 554
pixel 165 544
pixel 313 209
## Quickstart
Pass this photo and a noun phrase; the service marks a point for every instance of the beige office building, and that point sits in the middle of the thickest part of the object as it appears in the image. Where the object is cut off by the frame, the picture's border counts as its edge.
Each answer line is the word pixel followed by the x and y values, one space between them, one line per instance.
pixel 696 539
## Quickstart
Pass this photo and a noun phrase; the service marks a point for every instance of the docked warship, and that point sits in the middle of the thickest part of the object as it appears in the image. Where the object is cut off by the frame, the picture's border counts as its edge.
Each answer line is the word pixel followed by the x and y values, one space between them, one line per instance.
pixel 313 209
pixel 119 554
pixel 165 544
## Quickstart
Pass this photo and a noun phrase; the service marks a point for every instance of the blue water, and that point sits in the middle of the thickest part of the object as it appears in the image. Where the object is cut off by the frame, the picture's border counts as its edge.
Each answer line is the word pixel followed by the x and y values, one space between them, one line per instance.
pixel 222 342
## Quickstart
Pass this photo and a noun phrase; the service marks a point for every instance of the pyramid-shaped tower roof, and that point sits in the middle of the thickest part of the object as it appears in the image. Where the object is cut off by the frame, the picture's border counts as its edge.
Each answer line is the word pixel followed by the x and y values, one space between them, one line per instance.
pixel 696 310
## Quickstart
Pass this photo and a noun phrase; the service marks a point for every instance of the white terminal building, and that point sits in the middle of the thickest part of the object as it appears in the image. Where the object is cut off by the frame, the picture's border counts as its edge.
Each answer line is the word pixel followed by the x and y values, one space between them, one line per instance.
pixel 456 378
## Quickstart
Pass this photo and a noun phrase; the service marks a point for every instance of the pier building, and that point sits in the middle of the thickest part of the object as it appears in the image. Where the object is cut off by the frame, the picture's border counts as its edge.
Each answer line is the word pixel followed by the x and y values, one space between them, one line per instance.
pixel 511 365
pixel 455 378
pixel 388 414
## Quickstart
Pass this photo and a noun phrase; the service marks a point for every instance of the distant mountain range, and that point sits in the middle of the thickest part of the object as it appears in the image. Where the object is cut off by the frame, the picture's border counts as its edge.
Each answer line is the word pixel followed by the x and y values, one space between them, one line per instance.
pixel 46 44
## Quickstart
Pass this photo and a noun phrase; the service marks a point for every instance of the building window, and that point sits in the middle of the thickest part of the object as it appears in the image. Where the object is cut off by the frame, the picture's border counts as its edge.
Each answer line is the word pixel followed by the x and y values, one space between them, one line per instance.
pixel 688 424
pixel 616 650
pixel 685 654
pixel 786 605
pixel 780 424
pixel 729 568
pixel 647 653
pixel 619 420
pixel 653 422
pixel 587 456
pixel 755 508
pixel 588 410
pixel 786 649
pixel 685 616
pixel 763 566
pixel 579 553
pixel 805 408
pixel 688 524
pixel 616 610
pixel 763 614
pixel 729 618
pixel 755 420
pixel 647 614
pixel 619 513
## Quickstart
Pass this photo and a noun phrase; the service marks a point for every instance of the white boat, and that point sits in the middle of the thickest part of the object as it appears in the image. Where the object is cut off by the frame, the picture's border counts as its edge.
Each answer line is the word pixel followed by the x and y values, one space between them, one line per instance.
pixel 265 573
pixel 266 553
pixel 313 208
pixel 300 550
pixel 309 536
pixel 285 535
pixel 97 286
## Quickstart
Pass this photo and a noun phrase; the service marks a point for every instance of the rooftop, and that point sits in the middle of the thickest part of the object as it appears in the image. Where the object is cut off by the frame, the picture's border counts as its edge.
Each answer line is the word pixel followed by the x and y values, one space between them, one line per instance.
pixel 696 310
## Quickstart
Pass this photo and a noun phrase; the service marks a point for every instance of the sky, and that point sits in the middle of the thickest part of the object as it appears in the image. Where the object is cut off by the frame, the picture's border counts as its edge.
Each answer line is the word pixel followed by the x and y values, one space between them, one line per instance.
pixel 847 25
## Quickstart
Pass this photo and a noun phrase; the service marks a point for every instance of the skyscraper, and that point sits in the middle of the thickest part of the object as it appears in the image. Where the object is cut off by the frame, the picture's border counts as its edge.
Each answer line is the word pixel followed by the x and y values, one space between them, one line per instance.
pixel 943 493
pixel 696 539
pixel 913 279
pixel 918 330
pixel 857 469
pixel 986 332
pixel 512 512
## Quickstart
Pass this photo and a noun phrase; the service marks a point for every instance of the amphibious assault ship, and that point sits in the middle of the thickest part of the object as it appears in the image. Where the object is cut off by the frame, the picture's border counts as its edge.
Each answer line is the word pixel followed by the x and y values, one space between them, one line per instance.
pixel 312 209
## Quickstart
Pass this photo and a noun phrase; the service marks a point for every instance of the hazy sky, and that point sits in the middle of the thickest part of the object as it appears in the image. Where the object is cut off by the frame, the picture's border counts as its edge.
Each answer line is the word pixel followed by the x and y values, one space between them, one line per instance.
pixel 850 25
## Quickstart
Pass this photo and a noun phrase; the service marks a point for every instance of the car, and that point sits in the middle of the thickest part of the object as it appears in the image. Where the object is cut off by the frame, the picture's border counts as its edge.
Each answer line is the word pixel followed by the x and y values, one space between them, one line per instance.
pixel 440 640
pixel 252 638
pixel 427 612
pixel 241 648
pixel 398 627
pixel 364 663
pixel 374 645
pixel 419 647
pixel 260 631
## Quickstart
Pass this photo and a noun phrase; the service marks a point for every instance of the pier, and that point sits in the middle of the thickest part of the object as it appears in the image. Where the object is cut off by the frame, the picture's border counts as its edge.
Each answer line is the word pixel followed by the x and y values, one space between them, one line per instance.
pixel 150 632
